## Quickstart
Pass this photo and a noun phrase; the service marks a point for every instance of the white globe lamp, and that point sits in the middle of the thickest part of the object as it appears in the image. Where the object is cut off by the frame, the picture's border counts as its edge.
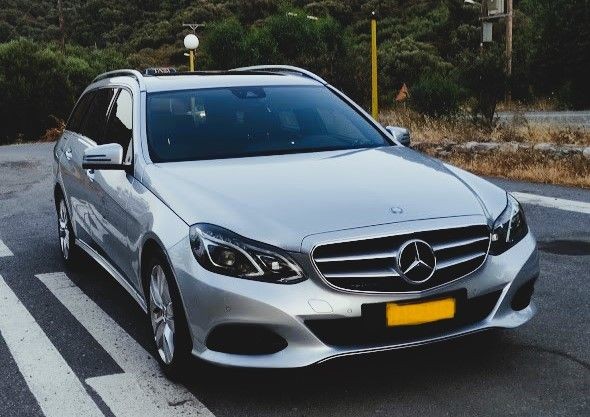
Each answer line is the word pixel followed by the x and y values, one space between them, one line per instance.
pixel 191 42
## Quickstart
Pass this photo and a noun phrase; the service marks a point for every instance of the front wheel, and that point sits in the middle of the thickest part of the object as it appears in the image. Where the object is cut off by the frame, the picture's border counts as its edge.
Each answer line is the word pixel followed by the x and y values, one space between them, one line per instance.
pixel 169 326
pixel 67 241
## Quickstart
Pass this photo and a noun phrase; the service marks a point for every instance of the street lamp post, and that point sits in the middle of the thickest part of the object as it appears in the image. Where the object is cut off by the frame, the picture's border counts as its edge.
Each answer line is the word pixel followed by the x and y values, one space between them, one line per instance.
pixel 191 42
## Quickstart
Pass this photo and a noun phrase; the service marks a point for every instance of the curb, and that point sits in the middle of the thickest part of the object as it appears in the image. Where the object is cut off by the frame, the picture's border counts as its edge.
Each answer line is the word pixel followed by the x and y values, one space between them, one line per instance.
pixel 551 149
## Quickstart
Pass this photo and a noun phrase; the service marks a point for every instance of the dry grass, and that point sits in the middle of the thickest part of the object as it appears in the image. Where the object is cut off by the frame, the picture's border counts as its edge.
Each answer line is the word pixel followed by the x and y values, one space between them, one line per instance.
pixel 530 166
pixel 526 165
pixel 53 133
pixel 462 129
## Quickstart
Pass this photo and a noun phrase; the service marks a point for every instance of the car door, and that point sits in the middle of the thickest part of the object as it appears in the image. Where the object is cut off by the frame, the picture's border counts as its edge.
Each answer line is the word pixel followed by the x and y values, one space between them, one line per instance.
pixel 73 176
pixel 111 188
pixel 90 134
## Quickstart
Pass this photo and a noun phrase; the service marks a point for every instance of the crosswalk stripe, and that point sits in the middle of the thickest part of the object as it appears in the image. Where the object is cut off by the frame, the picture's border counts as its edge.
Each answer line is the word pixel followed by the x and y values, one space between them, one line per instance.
pixel 172 399
pixel 49 378
pixel 4 251
pixel 552 202
pixel 122 393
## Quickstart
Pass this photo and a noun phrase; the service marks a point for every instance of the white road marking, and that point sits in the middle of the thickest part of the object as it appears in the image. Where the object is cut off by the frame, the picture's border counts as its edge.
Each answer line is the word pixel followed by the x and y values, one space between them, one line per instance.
pixel 172 399
pixel 4 251
pixel 125 398
pixel 552 202
pixel 52 382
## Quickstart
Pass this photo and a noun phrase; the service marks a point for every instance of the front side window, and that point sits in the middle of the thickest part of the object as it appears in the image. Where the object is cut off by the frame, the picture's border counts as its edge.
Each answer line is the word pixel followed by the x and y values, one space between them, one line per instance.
pixel 95 120
pixel 120 125
pixel 251 121
pixel 75 121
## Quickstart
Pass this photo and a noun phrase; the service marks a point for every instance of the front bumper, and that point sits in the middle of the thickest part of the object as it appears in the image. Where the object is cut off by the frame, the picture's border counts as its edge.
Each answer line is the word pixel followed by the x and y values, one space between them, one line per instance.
pixel 212 300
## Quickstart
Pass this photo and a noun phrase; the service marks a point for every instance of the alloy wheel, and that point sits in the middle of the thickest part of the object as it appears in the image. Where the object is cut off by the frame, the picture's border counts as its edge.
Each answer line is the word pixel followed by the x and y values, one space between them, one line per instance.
pixel 162 314
pixel 64 230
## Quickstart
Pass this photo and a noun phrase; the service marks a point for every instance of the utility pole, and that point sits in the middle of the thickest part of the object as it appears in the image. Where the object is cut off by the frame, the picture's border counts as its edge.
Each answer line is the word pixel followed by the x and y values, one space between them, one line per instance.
pixel 374 84
pixel 62 28
pixel 509 17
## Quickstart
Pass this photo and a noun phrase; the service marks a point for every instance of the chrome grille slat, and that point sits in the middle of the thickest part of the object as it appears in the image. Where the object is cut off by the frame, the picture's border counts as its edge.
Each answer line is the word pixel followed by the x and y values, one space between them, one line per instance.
pixel 449 245
pixel 369 264
pixel 461 260
pixel 359 257
pixel 367 274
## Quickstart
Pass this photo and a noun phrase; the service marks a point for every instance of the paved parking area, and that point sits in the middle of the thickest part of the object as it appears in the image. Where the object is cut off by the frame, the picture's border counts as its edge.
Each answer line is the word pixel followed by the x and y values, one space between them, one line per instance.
pixel 75 344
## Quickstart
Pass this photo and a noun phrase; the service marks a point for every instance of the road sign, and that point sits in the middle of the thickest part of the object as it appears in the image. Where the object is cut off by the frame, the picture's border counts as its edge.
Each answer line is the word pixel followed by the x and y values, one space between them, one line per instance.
pixel 487 32
pixel 495 7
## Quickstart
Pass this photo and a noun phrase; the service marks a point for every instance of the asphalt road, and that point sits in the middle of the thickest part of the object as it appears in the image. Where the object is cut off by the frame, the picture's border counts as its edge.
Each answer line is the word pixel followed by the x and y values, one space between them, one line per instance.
pixel 540 369
pixel 570 118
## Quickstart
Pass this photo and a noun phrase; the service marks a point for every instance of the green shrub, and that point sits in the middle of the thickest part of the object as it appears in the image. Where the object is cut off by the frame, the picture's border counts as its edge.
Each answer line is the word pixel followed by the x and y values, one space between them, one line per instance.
pixel 436 94
pixel 485 76
pixel 38 84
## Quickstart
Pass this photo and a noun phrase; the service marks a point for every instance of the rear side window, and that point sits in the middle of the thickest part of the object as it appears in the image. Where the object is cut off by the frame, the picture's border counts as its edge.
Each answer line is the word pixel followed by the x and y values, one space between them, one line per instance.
pixel 79 112
pixel 120 125
pixel 95 120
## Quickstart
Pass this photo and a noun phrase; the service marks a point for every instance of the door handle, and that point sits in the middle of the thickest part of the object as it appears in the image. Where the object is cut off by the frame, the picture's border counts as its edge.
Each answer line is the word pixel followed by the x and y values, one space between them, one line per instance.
pixel 68 154
pixel 90 174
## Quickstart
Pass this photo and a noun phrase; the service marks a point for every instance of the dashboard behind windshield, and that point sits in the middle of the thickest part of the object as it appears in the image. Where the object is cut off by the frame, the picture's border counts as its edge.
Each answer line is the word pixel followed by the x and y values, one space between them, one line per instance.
pixel 236 122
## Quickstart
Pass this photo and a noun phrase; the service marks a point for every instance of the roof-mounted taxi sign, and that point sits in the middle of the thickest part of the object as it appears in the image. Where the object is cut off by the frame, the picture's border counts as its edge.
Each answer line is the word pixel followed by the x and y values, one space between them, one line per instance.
pixel 160 71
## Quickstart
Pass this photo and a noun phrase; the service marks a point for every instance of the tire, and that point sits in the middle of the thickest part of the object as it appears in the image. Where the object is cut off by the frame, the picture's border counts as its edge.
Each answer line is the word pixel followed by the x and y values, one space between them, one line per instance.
pixel 167 318
pixel 70 253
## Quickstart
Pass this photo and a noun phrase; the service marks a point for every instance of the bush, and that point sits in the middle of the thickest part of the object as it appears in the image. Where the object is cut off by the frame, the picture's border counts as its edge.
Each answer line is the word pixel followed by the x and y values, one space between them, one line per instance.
pixel 33 87
pixel 436 95
pixel 405 61
pixel 485 76
pixel 225 44
pixel 39 85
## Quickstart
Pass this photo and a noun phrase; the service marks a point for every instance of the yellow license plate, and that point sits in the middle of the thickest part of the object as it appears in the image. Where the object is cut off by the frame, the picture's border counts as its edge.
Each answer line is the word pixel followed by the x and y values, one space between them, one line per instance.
pixel 419 313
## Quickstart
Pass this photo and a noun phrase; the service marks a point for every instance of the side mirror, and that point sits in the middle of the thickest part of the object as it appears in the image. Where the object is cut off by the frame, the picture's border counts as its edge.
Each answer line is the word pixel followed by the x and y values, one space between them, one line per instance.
pixel 401 134
pixel 109 156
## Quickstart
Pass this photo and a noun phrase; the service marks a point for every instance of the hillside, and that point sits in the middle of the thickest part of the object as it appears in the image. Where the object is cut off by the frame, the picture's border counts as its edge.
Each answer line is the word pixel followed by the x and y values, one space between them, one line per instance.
pixel 432 46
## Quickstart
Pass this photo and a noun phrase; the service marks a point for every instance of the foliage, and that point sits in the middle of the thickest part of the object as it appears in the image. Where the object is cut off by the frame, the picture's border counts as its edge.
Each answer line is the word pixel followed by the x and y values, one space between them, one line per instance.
pixel 419 42
pixel 437 94
pixel 405 61
pixel 484 75
pixel 38 84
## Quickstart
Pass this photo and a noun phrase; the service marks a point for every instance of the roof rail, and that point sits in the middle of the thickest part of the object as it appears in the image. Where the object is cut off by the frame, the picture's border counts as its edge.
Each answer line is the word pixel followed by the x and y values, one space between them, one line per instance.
pixel 123 73
pixel 283 68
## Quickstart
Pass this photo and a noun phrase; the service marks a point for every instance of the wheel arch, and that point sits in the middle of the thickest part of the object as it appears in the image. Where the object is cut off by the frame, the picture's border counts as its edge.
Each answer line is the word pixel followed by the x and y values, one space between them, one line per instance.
pixel 58 193
pixel 152 246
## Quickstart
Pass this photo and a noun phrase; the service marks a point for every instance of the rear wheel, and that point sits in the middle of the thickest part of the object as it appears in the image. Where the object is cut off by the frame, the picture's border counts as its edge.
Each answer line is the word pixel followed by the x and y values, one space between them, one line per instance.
pixel 67 242
pixel 167 318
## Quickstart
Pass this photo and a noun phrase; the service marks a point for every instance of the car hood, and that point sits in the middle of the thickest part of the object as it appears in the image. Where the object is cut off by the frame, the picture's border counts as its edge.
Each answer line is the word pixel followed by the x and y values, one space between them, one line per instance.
pixel 282 199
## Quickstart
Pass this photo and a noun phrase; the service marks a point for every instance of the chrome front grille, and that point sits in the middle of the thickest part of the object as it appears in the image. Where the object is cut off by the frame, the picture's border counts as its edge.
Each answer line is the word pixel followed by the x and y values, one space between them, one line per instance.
pixel 370 264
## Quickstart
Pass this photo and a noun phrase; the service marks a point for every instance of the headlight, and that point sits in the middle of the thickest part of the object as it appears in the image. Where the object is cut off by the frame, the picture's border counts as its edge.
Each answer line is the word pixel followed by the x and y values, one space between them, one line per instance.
pixel 224 252
pixel 509 228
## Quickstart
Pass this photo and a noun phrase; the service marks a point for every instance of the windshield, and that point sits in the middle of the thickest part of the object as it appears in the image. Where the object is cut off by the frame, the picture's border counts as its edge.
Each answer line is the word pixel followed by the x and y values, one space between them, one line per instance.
pixel 250 121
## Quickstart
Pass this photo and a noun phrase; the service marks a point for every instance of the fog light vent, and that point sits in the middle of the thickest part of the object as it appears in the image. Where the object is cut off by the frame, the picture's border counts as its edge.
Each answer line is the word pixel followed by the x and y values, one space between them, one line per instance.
pixel 522 297
pixel 245 339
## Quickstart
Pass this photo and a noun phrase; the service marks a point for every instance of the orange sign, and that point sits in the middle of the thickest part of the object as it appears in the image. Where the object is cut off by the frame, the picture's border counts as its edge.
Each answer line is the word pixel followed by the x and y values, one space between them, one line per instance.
pixel 404 93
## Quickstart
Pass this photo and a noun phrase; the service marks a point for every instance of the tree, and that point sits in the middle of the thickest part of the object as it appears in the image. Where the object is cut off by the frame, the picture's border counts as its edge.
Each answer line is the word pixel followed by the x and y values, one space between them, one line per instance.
pixel 437 94
pixel 484 75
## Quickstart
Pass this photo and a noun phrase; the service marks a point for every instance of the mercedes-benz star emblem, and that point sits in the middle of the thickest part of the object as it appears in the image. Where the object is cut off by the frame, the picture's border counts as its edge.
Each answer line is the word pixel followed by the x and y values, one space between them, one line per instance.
pixel 416 261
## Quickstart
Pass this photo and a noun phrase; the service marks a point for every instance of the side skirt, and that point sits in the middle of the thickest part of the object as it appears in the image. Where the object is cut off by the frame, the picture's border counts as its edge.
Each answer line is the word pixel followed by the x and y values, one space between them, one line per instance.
pixel 111 270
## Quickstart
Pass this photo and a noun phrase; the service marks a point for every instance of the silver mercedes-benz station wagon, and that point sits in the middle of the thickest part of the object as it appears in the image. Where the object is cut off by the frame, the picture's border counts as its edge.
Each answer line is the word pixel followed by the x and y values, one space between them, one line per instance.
pixel 263 219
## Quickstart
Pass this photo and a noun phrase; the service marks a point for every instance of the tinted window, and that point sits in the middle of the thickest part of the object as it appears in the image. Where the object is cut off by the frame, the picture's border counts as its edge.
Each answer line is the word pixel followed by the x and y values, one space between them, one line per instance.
pixel 120 123
pixel 79 112
pixel 95 121
pixel 250 121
